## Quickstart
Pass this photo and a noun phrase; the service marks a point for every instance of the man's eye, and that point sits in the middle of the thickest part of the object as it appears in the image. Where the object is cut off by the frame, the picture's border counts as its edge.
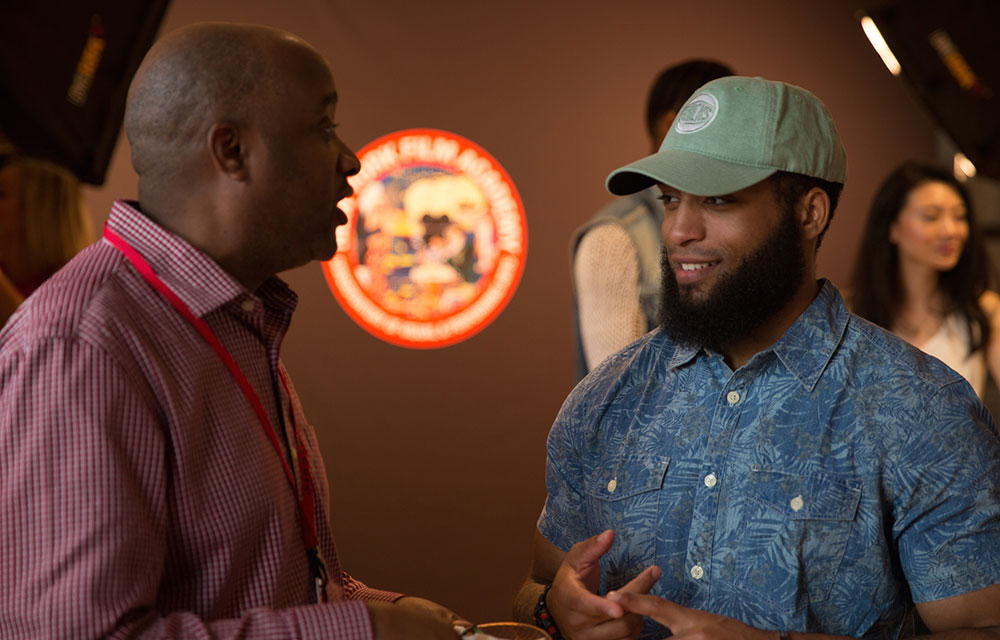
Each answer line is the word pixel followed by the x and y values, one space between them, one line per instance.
pixel 716 201
pixel 666 198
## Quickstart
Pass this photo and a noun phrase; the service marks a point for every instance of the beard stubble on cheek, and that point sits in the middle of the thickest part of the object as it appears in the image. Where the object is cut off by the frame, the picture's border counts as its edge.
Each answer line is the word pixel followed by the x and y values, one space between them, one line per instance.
pixel 740 301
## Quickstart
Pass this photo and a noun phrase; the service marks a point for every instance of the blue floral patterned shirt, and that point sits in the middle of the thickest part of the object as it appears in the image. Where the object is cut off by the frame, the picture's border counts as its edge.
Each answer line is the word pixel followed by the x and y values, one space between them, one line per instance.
pixel 834 479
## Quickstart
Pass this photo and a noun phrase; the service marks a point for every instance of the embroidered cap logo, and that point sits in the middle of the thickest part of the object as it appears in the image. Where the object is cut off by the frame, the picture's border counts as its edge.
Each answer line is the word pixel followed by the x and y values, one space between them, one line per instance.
pixel 697 114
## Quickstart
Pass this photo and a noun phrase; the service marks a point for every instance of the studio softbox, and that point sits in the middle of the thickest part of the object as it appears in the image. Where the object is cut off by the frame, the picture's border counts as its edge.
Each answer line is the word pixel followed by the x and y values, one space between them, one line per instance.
pixel 65 66
pixel 949 54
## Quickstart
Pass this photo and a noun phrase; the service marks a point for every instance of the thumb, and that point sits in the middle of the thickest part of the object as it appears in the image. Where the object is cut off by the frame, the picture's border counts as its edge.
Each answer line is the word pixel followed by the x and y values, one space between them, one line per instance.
pixel 586 553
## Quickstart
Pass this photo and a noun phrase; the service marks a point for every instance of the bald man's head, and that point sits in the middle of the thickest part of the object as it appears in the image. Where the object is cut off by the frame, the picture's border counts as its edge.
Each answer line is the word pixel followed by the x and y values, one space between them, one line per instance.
pixel 192 78
pixel 234 136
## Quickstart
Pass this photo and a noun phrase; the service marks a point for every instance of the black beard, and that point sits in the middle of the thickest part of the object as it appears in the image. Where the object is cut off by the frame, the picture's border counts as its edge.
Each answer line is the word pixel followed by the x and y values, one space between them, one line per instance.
pixel 742 301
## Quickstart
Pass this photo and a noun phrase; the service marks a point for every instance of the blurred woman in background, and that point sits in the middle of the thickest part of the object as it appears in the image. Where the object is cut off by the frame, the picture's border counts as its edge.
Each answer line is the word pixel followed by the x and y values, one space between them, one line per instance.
pixel 923 273
pixel 43 223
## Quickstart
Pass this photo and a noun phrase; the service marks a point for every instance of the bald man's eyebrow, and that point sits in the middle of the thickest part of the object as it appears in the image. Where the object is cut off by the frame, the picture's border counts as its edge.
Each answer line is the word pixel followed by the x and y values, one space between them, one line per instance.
pixel 330 98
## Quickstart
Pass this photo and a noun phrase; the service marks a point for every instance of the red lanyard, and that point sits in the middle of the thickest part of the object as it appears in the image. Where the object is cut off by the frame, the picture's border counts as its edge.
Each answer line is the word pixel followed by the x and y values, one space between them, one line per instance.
pixel 307 501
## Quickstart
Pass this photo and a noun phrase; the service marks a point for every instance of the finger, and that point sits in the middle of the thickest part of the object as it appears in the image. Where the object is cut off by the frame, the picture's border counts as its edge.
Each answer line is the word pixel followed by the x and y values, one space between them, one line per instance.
pixel 643 582
pixel 582 604
pixel 588 552
pixel 624 628
pixel 667 613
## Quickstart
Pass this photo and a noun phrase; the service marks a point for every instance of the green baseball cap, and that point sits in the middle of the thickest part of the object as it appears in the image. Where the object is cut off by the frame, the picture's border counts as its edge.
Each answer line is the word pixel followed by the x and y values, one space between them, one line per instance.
pixel 733 133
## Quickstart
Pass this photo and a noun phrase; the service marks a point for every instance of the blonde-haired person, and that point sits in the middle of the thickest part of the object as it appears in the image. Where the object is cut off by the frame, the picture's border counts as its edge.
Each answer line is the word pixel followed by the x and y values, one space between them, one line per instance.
pixel 43 223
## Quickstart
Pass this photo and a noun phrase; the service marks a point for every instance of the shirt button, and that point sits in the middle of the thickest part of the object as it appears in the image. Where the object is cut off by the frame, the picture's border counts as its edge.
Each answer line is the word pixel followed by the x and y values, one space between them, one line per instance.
pixel 612 485
pixel 248 305
pixel 710 480
pixel 697 572
pixel 733 397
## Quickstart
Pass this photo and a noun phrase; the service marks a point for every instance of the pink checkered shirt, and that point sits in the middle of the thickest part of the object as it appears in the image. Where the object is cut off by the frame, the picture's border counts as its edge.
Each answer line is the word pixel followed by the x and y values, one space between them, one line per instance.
pixel 139 494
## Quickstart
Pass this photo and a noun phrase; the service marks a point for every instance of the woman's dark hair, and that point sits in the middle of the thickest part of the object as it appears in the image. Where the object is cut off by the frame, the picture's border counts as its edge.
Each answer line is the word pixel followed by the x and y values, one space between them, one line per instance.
pixel 876 288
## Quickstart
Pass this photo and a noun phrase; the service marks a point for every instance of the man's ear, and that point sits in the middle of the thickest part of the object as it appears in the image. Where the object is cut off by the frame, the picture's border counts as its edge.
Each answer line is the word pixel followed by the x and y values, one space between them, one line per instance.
pixel 813 212
pixel 228 150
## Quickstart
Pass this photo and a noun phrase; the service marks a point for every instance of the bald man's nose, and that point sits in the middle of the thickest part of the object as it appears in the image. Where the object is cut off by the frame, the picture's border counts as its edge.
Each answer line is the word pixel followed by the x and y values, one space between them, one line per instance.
pixel 348 163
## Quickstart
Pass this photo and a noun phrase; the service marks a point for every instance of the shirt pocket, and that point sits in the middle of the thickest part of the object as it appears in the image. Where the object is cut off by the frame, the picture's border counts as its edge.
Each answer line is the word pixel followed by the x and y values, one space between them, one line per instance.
pixel 624 495
pixel 793 536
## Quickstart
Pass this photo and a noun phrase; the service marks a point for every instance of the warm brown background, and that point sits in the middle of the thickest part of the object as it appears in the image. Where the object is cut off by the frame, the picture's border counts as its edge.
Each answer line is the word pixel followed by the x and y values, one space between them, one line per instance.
pixel 435 458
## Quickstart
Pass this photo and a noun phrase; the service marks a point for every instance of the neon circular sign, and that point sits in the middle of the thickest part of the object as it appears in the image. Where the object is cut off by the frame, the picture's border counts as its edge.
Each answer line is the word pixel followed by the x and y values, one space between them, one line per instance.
pixel 435 242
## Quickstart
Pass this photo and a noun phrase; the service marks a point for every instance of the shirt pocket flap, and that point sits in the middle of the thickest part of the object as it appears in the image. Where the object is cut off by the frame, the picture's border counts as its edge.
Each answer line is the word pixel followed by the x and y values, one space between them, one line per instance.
pixel 628 476
pixel 805 497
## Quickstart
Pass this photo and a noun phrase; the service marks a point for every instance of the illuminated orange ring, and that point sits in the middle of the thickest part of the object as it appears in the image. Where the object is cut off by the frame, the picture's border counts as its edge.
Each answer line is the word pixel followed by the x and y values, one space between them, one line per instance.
pixel 405 292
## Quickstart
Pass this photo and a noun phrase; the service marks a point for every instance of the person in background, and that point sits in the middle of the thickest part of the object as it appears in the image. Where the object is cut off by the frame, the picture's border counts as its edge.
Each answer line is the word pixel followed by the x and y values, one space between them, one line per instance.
pixel 43 223
pixel 764 464
pixel 158 475
pixel 615 256
pixel 922 272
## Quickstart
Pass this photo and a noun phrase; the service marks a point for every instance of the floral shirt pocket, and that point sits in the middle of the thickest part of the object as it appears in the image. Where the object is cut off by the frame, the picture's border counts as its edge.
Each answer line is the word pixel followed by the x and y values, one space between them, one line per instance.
pixel 793 535
pixel 624 495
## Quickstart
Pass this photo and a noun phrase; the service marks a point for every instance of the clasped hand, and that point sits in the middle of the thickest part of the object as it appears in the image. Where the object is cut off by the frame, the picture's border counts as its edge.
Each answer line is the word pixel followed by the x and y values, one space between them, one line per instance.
pixel 581 614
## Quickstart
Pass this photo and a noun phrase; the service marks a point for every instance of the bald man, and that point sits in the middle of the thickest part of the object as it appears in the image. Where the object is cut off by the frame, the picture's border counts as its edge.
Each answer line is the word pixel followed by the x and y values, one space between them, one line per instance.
pixel 158 477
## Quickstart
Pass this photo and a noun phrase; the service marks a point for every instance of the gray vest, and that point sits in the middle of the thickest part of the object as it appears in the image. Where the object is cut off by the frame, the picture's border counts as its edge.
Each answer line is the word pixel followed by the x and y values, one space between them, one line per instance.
pixel 641 216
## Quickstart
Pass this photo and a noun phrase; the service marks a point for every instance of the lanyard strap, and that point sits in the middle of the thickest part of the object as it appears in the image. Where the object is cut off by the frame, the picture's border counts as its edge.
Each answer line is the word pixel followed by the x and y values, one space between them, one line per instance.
pixel 307 501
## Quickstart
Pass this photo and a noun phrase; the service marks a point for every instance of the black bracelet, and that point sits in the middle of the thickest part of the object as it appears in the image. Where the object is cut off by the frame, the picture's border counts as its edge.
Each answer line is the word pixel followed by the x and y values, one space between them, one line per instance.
pixel 544 619
pixel 783 634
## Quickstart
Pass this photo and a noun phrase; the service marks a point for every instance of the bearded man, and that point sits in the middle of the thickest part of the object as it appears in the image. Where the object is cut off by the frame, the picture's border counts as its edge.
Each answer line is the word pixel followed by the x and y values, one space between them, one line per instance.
pixel 765 464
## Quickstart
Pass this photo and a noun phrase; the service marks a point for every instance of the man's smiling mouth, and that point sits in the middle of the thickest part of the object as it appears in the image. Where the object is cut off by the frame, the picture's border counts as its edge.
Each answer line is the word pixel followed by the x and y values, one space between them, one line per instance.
pixel 694 266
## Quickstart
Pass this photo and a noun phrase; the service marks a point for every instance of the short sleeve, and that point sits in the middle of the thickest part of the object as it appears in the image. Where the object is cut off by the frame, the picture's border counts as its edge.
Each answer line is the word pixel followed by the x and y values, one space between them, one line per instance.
pixel 560 522
pixel 947 507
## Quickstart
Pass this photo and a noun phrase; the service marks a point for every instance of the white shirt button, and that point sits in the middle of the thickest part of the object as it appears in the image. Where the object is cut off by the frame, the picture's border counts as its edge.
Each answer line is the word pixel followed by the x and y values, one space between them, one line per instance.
pixel 697 572
pixel 248 305
pixel 711 480
pixel 612 485
pixel 733 397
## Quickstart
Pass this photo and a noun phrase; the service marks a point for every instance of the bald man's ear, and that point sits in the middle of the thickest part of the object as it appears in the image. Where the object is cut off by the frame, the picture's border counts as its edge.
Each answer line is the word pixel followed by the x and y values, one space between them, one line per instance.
pixel 228 152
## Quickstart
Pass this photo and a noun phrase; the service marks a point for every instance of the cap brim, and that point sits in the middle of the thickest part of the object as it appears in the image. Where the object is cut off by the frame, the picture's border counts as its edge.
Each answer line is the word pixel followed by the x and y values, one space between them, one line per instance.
pixel 687 171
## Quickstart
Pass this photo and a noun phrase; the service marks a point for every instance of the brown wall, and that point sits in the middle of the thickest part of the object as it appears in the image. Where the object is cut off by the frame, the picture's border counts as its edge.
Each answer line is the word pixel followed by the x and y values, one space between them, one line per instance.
pixel 435 458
